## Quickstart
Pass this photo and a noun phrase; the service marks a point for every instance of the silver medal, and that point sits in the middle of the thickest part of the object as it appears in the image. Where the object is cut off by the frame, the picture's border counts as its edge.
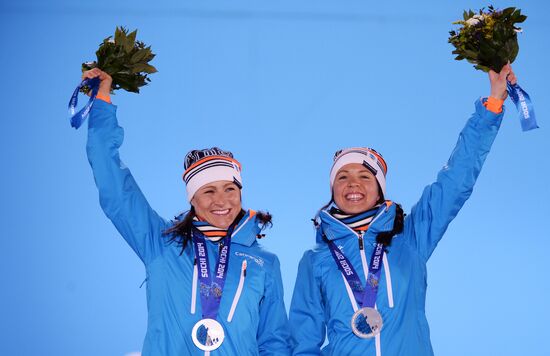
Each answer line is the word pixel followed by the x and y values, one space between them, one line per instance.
pixel 366 323
pixel 207 334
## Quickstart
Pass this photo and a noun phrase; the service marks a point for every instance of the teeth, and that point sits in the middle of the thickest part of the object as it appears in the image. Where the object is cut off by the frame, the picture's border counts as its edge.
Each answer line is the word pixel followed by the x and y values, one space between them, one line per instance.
pixel 220 212
pixel 354 196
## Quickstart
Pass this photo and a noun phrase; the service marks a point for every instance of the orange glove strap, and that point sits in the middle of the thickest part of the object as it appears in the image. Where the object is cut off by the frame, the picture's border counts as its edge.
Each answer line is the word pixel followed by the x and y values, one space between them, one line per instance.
pixel 494 104
pixel 106 98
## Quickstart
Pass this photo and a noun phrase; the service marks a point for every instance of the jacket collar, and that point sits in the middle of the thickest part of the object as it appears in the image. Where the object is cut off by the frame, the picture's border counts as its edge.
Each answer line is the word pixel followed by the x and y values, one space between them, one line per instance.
pixel 246 230
pixel 334 229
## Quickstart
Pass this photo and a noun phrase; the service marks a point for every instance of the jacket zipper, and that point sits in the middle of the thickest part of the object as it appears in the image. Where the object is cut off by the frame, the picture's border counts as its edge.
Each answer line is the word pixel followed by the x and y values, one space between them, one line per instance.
pixel 363 256
pixel 389 288
pixel 238 292
pixel 366 272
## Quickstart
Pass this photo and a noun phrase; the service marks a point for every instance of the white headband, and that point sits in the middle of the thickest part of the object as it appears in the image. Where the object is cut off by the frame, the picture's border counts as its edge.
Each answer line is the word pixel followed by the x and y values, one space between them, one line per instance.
pixel 211 169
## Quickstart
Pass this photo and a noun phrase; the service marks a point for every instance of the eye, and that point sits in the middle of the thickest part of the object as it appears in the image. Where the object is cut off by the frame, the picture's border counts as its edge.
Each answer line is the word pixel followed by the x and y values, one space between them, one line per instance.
pixel 365 177
pixel 342 177
pixel 209 191
pixel 230 189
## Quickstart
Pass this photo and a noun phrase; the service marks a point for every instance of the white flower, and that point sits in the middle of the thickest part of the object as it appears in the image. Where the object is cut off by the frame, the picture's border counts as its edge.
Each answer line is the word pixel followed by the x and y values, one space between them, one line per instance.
pixel 475 20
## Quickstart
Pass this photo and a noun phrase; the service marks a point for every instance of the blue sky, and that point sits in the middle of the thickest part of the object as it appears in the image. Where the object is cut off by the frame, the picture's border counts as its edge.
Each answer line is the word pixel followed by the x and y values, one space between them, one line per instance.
pixel 282 84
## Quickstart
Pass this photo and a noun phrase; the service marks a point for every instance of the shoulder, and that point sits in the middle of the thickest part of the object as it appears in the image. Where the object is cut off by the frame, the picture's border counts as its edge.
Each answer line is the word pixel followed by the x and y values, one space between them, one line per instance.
pixel 269 258
pixel 317 255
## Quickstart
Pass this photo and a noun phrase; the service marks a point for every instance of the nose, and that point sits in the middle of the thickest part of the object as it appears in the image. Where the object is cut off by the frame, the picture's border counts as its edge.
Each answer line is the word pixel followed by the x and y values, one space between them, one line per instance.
pixel 219 199
pixel 353 182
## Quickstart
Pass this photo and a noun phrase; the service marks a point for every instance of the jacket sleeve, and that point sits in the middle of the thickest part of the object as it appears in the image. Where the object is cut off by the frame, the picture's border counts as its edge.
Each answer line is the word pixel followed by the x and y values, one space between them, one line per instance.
pixel 441 200
pixel 273 331
pixel 307 320
pixel 119 195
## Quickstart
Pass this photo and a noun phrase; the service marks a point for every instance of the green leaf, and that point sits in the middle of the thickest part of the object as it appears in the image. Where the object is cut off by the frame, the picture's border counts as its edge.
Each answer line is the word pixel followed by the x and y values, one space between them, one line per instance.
pixel 125 59
pixel 132 37
pixel 508 11
pixel 120 35
pixel 482 67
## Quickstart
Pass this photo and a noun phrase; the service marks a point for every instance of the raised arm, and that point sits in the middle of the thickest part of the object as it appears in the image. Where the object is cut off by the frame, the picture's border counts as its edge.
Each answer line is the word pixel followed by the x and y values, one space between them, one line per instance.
pixel 441 201
pixel 307 319
pixel 119 195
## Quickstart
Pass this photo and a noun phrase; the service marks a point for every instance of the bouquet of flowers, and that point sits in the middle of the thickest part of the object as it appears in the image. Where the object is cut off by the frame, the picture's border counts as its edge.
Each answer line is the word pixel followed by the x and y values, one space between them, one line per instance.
pixel 124 59
pixel 488 39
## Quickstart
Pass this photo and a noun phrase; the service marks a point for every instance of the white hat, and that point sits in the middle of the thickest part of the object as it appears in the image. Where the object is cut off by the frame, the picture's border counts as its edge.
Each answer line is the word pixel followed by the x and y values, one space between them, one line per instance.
pixel 207 166
pixel 368 157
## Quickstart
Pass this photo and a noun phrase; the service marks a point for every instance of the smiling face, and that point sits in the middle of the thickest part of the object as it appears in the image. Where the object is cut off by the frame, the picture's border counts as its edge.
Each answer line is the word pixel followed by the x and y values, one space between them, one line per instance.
pixel 355 189
pixel 218 203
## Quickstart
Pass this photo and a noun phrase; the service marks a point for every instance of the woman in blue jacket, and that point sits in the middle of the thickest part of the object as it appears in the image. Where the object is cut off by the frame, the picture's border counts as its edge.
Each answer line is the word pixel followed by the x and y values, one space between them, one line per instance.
pixel 364 284
pixel 211 288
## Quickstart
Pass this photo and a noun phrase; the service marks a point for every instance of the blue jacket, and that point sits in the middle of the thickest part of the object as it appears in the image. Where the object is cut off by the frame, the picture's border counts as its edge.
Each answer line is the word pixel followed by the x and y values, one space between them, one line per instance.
pixel 254 321
pixel 321 302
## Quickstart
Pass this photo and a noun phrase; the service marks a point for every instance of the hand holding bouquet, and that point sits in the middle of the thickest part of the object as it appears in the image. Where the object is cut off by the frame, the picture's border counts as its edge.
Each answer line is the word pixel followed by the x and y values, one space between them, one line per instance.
pixel 489 40
pixel 122 58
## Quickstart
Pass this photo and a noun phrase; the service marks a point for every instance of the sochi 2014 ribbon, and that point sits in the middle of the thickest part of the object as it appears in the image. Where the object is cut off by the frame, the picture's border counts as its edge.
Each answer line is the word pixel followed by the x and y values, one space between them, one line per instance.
pixel 211 286
pixel 524 105
pixel 364 296
pixel 78 118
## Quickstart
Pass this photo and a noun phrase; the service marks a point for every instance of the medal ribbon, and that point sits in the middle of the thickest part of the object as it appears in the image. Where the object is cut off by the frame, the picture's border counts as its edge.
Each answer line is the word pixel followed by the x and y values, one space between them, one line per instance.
pixel 524 105
pixel 78 118
pixel 211 289
pixel 365 296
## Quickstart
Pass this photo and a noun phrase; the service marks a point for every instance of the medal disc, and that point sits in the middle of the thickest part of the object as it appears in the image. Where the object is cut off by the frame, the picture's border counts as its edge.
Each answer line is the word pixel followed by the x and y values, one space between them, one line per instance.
pixel 366 323
pixel 207 334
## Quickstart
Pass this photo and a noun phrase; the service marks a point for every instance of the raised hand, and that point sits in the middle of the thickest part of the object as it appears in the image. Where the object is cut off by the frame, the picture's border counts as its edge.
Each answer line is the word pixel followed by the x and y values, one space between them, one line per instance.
pixel 105 80
pixel 498 81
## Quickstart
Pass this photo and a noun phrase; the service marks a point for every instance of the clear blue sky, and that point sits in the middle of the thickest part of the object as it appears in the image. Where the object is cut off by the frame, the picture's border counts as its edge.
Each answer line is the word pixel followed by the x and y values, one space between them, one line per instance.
pixel 282 84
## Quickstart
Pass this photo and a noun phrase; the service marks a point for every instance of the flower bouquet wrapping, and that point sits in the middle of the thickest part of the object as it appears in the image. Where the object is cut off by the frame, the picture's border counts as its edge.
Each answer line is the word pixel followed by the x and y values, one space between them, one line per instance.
pixel 489 40
pixel 125 59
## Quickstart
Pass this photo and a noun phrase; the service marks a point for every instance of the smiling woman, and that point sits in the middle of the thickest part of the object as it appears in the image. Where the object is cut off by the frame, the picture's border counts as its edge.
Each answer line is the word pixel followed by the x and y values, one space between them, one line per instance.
pixel 219 203
pixel 203 253
pixel 355 300
pixel 358 179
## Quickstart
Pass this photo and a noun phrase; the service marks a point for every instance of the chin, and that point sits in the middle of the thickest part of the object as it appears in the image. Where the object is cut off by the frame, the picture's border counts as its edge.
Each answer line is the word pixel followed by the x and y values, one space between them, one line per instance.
pixel 356 208
pixel 223 222
pixel 353 210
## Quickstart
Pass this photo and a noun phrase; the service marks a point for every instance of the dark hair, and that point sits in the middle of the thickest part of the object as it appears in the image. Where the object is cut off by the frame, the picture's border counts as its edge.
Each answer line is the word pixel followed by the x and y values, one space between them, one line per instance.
pixel 182 229
pixel 386 237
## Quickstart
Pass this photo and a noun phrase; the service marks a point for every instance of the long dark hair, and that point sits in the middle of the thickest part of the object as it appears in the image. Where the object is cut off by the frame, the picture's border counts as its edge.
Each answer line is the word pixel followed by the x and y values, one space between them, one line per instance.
pixel 182 229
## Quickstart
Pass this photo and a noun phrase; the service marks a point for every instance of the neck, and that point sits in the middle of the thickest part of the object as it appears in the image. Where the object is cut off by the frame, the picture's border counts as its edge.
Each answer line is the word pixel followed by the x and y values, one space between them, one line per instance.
pixel 211 232
pixel 357 222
